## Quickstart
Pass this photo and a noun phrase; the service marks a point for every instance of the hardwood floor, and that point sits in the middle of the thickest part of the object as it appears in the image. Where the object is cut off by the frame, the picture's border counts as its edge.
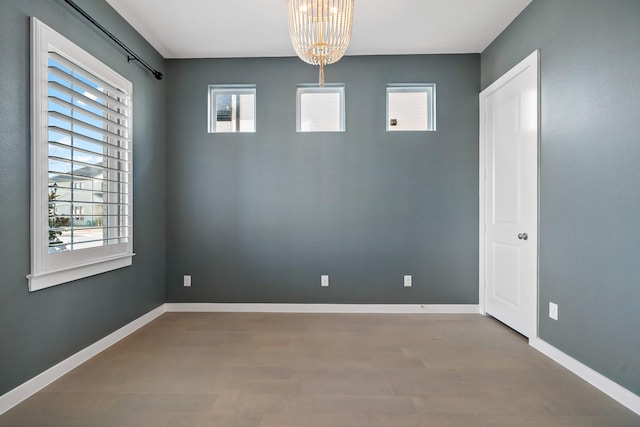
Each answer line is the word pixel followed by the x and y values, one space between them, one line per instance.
pixel 320 370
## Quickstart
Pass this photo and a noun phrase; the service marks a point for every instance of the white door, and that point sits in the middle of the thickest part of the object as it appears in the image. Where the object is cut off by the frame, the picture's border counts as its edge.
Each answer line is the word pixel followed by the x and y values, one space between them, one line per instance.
pixel 509 197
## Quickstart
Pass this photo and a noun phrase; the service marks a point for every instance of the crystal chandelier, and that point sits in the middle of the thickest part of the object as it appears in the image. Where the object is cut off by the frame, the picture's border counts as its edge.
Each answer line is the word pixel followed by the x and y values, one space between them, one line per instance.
pixel 320 30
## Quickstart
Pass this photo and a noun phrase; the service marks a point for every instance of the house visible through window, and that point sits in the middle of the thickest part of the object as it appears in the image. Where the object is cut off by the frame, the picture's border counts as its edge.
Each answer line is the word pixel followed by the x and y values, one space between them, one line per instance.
pixel 232 108
pixel 411 107
pixel 82 165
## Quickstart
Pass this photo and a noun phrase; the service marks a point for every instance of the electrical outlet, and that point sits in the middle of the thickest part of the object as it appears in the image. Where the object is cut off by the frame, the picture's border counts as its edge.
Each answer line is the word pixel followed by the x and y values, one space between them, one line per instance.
pixel 324 280
pixel 407 281
pixel 553 311
pixel 187 281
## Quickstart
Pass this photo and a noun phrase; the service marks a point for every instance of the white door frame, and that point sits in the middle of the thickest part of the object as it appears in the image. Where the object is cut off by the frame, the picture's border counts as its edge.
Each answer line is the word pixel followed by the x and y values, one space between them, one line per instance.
pixel 533 60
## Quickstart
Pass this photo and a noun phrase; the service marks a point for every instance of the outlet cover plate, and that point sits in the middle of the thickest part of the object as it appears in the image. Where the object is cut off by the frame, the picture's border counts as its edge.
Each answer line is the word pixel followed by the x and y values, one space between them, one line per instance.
pixel 187 281
pixel 324 280
pixel 407 281
pixel 553 310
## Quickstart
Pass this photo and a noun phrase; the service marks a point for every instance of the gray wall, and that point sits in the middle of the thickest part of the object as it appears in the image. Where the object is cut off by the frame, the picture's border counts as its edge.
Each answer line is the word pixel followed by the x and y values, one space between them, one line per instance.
pixel 42 328
pixel 590 179
pixel 259 217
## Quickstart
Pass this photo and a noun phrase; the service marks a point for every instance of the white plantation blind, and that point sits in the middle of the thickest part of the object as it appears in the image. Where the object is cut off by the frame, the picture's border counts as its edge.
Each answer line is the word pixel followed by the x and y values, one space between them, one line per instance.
pixel 88 144
pixel 82 163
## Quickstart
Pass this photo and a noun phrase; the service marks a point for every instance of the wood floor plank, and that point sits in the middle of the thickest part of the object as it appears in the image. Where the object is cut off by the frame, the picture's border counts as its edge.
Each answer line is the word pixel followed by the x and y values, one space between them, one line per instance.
pixel 320 370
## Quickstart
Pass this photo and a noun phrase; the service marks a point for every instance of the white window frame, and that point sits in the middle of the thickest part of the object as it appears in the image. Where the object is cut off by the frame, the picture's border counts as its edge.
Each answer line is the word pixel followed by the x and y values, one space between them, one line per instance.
pixel 239 89
pixel 429 89
pixel 50 269
pixel 314 88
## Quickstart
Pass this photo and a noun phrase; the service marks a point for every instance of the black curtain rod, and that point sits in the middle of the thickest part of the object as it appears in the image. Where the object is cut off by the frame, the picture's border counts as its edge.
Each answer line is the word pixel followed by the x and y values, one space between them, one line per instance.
pixel 158 75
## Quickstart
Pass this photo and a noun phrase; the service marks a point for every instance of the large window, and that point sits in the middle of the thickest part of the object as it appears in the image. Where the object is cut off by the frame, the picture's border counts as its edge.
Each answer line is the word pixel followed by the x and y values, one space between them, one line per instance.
pixel 81 206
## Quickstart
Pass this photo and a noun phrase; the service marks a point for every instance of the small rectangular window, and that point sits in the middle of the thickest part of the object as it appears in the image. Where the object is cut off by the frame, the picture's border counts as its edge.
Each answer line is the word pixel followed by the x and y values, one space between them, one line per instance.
pixel 232 108
pixel 320 109
pixel 411 107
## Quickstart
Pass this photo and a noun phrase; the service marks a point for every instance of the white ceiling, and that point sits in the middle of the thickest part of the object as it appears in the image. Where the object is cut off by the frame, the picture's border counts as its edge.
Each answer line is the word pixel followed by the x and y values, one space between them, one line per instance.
pixel 258 28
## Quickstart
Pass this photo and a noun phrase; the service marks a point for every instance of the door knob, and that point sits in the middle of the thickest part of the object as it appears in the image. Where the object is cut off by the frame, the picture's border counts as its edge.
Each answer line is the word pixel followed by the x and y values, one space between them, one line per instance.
pixel 523 236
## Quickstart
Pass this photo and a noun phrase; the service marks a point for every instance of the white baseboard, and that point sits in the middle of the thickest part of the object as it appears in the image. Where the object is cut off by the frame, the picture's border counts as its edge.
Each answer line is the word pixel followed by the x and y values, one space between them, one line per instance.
pixel 324 308
pixel 37 383
pixel 599 381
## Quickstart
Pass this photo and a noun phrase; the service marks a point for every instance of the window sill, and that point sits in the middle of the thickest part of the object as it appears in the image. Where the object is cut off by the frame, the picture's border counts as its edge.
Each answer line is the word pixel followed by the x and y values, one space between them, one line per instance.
pixel 53 278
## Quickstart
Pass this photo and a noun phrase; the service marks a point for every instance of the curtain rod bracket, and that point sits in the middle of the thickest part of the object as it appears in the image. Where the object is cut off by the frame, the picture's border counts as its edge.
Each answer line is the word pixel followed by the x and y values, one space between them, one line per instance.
pixel 131 55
